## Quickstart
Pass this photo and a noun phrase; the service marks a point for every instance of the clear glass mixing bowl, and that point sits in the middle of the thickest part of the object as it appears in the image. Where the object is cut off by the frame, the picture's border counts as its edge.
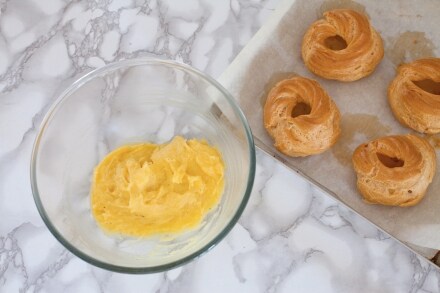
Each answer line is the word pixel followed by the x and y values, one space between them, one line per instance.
pixel 142 100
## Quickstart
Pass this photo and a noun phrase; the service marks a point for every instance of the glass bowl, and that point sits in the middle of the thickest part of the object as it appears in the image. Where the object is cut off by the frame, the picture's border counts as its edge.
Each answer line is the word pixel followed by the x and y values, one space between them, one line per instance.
pixel 132 101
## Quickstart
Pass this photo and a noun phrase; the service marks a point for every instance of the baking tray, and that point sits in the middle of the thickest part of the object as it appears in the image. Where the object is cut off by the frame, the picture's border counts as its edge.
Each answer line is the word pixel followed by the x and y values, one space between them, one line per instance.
pixel 410 30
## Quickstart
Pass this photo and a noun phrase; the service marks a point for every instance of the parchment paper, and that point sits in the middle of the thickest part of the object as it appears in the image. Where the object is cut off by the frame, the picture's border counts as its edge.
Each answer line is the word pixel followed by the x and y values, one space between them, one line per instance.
pixel 410 30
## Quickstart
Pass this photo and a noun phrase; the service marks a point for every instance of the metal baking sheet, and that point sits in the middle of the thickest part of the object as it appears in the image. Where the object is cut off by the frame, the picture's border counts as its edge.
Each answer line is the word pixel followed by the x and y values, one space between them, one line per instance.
pixel 410 30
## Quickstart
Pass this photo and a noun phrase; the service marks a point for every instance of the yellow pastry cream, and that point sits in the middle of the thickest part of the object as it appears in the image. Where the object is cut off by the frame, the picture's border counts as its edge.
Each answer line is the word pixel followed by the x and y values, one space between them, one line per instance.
pixel 145 189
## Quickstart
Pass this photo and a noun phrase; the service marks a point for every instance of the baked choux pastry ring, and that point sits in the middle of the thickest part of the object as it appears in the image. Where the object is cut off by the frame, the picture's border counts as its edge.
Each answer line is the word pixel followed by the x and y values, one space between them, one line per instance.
pixel 301 117
pixel 414 95
pixel 342 46
pixel 394 170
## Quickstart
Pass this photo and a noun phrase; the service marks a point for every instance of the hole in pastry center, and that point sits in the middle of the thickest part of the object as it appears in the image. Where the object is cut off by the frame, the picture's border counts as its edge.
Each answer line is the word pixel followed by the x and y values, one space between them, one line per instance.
pixel 428 85
pixel 390 162
pixel 335 43
pixel 301 109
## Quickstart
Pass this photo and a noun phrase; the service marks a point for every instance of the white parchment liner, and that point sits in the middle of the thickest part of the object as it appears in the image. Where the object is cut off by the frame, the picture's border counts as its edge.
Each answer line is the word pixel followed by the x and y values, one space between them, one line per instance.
pixel 410 30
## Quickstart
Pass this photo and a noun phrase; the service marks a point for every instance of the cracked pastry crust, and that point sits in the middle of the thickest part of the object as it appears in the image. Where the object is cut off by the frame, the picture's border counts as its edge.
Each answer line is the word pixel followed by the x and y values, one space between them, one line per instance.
pixel 362 54
pixel 306 134
pixel 411 105
pixel 394 170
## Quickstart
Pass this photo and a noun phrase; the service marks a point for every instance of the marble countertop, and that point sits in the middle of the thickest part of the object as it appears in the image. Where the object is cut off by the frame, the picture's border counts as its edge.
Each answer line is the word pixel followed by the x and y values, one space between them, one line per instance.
pixel 291 237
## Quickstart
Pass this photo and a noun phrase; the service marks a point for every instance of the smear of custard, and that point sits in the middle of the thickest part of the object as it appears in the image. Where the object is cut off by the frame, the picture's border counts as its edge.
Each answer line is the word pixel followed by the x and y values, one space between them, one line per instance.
pixel 351 124
pixel 341 4
pixel 409 47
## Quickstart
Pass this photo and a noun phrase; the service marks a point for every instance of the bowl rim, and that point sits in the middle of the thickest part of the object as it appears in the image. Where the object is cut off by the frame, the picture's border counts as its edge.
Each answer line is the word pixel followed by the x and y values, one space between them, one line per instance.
pixel 114 66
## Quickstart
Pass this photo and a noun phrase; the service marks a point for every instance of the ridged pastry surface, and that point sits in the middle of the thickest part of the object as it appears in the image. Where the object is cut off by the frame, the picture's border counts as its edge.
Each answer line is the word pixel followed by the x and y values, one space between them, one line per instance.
pixel 303 135
pixel 364 48
pixel 413 106
pixel 394 170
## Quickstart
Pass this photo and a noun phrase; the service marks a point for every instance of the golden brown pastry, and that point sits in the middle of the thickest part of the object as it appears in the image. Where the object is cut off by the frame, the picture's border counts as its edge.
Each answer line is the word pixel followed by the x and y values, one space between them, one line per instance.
pixel 414 95
pixel 342 46
pixel 394 170
pixel 301 117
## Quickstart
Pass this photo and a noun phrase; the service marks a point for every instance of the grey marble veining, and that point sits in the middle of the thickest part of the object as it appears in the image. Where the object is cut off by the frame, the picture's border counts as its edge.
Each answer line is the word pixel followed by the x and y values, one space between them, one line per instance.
pixel 291 237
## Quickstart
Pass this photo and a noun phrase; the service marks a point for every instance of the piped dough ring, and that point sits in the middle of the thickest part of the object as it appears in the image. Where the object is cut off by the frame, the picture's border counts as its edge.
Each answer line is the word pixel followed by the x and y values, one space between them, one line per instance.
pixel 394 170
pixel 306 134
pixel 412 105
pixel 362 54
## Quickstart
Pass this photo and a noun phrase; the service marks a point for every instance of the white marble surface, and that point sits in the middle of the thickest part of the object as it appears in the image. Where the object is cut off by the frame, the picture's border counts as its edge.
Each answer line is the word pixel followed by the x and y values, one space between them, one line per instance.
pixel 291 238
